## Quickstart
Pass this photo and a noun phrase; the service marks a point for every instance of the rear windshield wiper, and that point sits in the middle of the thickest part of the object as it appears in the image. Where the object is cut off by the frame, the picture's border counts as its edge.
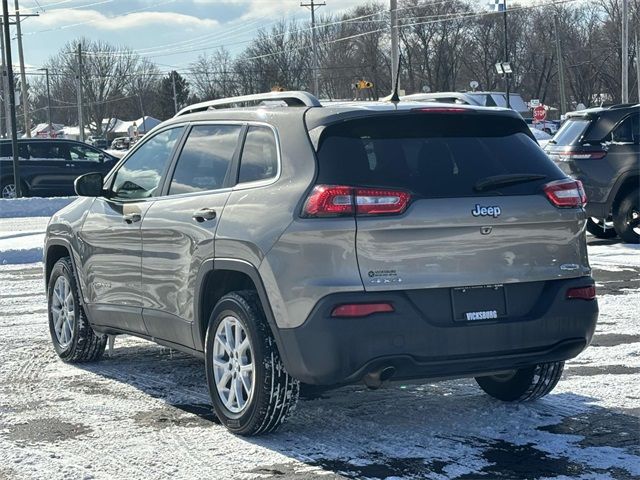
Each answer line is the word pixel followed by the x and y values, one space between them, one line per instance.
pixel 503 180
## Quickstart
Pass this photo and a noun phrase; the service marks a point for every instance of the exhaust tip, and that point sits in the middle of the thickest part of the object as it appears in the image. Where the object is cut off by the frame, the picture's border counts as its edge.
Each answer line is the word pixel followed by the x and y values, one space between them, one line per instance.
pixel 375 380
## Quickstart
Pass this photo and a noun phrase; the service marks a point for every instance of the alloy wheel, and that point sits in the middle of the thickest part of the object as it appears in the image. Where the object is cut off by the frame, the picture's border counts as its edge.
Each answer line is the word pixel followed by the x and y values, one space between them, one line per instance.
pixel 9 191
pixel 63 311
pixel 233 365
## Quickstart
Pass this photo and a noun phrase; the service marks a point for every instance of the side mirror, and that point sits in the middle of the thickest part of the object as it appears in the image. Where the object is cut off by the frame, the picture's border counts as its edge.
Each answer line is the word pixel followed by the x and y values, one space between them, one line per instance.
pixel 89 185
pixel 101 158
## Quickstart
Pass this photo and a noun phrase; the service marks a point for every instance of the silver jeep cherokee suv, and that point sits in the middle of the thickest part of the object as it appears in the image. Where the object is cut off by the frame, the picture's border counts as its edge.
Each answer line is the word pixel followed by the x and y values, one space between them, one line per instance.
pixel 287 242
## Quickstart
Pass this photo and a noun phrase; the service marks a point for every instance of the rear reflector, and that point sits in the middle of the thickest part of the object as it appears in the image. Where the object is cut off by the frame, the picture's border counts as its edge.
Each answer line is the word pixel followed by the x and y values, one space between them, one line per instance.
pixel 582 293
pixel 339 200
pixel 567 193
pixel 352 310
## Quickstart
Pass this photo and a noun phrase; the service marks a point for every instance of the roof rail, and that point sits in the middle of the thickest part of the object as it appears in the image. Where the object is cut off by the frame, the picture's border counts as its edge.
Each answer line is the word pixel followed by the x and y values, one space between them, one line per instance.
pixel 622 105
pixel 291 98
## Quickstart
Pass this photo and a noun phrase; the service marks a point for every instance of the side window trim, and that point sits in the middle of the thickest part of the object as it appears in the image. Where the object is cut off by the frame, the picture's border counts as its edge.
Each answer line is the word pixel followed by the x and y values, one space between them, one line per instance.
pixel 266 181
pixel 108 183
pixel 233 167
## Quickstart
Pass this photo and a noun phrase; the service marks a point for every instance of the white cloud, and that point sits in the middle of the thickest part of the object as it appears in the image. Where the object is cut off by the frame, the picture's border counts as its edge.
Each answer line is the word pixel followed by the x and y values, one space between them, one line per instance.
pixel 65 18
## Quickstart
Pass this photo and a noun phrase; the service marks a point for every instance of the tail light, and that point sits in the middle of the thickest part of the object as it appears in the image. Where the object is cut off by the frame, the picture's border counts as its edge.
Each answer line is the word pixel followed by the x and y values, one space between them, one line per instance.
pixel 580 155
pixel 567 193
pixel 354 310
pixel 338 200
pixel 582 293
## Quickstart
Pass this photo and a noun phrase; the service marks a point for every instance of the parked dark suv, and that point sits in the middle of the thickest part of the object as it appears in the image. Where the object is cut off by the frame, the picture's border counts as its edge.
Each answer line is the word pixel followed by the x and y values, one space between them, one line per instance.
pixel 601 147
pixel 48 167
pixel 329 245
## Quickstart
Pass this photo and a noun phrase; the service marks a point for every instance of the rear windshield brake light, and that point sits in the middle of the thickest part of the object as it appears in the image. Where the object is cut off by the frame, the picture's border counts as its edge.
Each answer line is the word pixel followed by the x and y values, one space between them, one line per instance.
pixel 442 110
pixel 566 193
pixel 340 200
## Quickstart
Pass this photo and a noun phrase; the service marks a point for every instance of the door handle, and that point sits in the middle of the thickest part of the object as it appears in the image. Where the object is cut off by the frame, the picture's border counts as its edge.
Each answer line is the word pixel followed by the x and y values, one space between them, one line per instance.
pixel 131 218
pixel 204 214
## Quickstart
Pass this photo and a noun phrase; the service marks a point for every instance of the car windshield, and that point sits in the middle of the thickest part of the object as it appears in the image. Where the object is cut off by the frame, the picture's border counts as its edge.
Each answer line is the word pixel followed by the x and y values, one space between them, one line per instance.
pixel 571 131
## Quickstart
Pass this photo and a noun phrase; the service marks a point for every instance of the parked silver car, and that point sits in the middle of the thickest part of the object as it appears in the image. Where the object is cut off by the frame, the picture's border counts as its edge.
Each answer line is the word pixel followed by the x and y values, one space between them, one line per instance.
pixel 329 245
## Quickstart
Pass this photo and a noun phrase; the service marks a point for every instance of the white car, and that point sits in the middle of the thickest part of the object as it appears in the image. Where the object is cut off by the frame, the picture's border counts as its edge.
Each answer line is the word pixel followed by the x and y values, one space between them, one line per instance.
pixel 541 136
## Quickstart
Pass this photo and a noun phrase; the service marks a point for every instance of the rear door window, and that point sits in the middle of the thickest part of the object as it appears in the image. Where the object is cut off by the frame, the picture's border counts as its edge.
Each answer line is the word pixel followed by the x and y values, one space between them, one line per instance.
pixel 571 131
pixel 205 158
pixel 432 155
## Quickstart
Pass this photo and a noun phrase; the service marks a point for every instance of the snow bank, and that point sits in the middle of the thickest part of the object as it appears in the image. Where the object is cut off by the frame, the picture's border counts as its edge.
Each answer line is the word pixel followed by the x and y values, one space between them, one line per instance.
pixel 22 239
pixel 32 207
pixel 617 255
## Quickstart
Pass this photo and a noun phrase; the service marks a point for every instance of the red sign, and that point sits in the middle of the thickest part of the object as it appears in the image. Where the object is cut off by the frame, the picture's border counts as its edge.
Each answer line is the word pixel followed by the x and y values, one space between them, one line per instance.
pixel 539 113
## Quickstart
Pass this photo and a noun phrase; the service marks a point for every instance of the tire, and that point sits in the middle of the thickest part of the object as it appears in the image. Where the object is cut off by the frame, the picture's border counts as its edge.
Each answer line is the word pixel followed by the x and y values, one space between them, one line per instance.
pixel 8 189
pixel 274 393
pixel 523 385
pixel 626 217
pixel 601 229
pixel 74 340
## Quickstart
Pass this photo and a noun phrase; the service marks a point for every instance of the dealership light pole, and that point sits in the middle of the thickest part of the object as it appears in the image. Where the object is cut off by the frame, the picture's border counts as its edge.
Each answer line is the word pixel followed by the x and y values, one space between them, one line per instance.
pixel 395 44
pixel 625 51
pixel 11 94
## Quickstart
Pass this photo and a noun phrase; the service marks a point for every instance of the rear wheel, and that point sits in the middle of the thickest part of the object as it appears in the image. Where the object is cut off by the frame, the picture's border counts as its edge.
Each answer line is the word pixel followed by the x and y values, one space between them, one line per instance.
pixel 626 218
pixel 524 384
pixel 249 387
pixel 8 189
pixel 73 338
pixel 601 228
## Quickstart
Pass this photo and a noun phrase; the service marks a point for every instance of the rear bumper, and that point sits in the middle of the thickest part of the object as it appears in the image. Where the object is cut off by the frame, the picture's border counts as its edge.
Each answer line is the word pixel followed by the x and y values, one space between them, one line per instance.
pixel 422 344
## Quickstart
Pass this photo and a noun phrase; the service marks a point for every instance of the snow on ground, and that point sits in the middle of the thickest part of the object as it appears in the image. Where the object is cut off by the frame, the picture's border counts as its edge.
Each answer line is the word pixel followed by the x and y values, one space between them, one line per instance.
pixel 32 206
pixel 144 412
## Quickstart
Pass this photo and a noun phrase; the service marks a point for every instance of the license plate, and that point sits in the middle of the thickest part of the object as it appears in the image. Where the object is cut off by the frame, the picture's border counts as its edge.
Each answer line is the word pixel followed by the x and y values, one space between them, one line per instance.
pixel 477 303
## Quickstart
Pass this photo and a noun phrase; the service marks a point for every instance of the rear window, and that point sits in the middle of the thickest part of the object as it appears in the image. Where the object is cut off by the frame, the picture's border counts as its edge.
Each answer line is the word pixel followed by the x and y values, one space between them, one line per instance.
pixel 571 131
pixel 432 155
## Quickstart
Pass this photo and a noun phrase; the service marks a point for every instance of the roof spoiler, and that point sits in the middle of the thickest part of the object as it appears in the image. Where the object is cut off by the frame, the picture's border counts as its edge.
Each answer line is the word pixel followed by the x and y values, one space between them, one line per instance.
pixel 291 98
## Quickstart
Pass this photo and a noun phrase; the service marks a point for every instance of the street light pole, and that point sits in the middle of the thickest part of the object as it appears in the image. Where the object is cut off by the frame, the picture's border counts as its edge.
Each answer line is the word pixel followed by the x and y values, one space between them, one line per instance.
pixel 625 51
pixel 12 98
pixel 23 77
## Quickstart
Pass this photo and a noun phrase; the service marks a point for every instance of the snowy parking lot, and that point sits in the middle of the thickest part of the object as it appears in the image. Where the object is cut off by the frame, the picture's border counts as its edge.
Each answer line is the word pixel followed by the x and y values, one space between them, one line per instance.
pixel 143 411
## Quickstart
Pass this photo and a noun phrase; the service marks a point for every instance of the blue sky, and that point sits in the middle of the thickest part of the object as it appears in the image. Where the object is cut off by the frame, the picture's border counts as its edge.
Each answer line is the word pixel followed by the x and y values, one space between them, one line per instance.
pixel 160 30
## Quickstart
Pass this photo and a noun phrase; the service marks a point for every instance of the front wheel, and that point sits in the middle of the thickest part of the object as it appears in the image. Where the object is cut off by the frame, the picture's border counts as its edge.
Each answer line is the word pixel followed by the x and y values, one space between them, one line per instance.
pixel 73 338
pixel 626 217
pixel 524 384
pixel 250 390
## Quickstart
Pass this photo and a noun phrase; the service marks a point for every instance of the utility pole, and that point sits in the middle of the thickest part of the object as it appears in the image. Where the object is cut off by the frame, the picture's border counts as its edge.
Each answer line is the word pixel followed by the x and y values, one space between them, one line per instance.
pixel 175 97
pixel 23 77
pixel 395 43
pixel 638 65
pixel 5 87
pixel 506 54
pixel 312 5
pixel 80 117
pixel 12 98
pixel 563 93
pixel 625 51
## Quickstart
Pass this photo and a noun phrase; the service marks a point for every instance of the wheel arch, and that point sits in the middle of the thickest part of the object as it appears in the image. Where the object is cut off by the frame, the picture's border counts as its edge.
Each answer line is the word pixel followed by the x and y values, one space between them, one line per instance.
pixel 627 182
pixel 54 251
pixel 219 277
